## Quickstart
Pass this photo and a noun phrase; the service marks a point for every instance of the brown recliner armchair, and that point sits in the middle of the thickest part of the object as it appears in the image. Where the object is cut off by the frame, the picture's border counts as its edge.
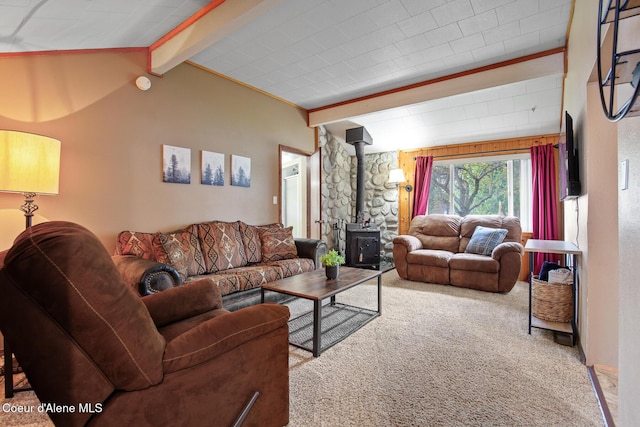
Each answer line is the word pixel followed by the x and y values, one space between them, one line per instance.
pixel 87 343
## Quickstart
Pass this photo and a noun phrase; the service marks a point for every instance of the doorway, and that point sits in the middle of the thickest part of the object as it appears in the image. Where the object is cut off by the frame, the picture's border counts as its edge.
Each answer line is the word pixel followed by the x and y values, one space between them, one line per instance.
pixel 300 192
pixel 294 192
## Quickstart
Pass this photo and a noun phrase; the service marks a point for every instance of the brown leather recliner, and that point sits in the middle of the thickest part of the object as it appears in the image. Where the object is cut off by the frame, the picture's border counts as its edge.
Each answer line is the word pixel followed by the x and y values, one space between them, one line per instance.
pixel 87 343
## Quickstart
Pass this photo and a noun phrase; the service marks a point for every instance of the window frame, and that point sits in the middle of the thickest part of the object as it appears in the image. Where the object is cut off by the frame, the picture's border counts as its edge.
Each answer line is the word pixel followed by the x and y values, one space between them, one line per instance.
pixel 525 182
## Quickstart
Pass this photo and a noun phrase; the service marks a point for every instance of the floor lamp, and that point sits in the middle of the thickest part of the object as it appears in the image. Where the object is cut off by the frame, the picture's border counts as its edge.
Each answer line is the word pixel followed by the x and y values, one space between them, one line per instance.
pixel 29 164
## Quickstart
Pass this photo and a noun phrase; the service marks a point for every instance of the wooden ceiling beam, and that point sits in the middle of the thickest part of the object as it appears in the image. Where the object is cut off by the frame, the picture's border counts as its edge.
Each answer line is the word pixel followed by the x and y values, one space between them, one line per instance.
pixel 512 71
pixel 212 23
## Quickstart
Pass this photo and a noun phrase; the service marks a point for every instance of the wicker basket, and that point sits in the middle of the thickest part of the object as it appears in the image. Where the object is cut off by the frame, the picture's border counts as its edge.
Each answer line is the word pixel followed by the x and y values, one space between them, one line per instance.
pixel 552 301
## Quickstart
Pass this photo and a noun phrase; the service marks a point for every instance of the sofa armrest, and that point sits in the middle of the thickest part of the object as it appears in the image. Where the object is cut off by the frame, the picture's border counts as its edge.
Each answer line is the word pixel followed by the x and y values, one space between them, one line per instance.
pixel 223 333
pixel 312 249
pixel 182 302
pixel 506 247
pixel 509 255
pixel 411 243
pixel 144 276
pixel 402 246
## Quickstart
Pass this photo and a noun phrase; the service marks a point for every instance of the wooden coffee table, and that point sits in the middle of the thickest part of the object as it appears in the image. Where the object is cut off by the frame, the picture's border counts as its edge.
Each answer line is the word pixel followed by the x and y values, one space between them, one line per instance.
pixel 315 286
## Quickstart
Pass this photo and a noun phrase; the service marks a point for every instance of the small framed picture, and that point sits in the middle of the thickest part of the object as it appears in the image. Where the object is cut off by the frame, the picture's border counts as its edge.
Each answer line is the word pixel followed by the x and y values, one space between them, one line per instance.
pixel 240 171
pixel 212 168
pixel 176 164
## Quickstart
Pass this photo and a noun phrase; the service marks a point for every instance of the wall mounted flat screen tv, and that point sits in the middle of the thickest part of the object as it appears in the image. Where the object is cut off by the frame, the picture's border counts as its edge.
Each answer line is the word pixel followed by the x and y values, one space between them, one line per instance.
pixel 569 166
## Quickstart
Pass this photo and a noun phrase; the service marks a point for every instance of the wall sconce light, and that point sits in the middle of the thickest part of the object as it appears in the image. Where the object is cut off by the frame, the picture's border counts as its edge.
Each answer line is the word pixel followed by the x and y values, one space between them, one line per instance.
pixel 396 176
pixel 409 189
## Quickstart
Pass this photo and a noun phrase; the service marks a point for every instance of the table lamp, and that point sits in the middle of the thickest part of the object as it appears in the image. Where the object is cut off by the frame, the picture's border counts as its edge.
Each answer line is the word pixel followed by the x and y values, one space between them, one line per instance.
pixel 29 164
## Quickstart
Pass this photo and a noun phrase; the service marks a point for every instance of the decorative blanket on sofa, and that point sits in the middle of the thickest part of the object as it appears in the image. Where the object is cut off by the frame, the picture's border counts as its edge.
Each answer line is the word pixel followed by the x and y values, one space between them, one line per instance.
pixel 235 255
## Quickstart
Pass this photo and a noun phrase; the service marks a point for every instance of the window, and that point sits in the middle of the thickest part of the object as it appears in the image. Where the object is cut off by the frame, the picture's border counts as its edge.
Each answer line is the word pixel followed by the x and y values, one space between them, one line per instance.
pixel 483 186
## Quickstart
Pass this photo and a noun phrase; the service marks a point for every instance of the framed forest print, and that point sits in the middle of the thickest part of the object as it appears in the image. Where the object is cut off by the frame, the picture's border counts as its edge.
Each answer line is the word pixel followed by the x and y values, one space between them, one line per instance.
pixel 240 171
pixel 176 164
pixel 212 168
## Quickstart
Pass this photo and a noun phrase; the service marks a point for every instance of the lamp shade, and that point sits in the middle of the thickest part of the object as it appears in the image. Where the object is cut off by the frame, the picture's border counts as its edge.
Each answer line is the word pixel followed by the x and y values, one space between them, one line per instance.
pixel 29 163
pixel 396 176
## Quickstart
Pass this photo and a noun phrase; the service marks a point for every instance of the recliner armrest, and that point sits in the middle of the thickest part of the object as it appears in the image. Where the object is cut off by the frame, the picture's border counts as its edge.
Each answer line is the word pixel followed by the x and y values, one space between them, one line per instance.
pixel 412 243
pixel 182 302
pixel 312 249
pixel 506 247
pixel 145 276
pixel 223 333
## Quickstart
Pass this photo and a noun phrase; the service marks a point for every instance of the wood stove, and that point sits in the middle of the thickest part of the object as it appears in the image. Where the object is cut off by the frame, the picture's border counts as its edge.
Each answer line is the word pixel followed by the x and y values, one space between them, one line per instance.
pixel 363 241
pixel 363 246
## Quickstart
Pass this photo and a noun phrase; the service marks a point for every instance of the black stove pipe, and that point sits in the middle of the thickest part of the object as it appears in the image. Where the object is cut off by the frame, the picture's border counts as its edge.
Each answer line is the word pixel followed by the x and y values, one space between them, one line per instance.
pixel 359 146
pixel 358 137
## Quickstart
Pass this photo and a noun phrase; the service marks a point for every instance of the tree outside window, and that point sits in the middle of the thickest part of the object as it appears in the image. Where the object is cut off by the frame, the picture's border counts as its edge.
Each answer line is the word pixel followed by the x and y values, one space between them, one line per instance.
pixel 482 187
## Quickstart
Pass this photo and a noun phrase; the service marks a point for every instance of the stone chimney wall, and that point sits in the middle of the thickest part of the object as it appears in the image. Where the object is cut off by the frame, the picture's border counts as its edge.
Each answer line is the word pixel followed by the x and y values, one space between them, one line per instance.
pixel 339 170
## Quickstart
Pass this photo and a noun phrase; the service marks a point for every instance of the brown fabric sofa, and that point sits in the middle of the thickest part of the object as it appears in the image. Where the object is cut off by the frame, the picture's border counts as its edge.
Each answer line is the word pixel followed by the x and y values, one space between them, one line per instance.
pixel 434 252
pixel 108 357
pixel 239 258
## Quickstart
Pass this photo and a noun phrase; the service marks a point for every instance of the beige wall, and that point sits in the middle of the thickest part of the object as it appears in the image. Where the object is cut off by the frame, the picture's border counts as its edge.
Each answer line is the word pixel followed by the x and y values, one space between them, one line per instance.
pixel 629 223
pixel 112 134
pixel 592 220
pixel 607 219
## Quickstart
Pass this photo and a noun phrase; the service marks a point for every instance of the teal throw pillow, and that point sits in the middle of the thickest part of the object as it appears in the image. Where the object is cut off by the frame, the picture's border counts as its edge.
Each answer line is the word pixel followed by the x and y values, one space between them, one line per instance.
pixel 485 239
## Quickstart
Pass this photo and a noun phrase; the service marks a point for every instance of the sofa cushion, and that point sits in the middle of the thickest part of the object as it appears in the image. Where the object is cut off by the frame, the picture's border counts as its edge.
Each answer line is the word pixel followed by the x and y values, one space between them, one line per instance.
pixel 222 245
pixel 254 276
pixel 485 239
pixel 242 278
pixel 293 266
pixel 277 244
pixel 226 283
pixel 251 240
pixel 469 223
pixel 430 257
pixel 474 263
pixel 441 232
pixel 135 243
pixel 181 250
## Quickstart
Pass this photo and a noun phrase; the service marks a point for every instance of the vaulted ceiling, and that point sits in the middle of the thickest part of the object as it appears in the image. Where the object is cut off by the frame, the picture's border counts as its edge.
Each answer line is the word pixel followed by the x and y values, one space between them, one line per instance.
pixel 415 73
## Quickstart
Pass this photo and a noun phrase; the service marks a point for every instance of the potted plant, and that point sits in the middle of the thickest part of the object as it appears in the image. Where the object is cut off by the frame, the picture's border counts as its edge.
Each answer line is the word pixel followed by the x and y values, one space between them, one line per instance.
pixel 331 261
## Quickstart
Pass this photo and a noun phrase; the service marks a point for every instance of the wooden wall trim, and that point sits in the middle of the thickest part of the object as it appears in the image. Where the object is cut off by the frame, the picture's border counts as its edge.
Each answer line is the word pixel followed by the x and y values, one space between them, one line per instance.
pixel 407 162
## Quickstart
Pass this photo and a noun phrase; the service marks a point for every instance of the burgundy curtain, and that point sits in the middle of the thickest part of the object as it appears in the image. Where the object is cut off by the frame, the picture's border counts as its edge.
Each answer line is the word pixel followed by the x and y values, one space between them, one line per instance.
pixel 545 213
pixel 424 165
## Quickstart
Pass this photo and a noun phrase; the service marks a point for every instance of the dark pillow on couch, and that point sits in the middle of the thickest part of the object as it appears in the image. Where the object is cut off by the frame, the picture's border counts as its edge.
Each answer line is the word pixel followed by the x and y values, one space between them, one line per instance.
pixel 485 239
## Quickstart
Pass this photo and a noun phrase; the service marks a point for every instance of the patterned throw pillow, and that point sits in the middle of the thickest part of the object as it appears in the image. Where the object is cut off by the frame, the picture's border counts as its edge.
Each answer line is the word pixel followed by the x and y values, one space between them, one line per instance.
pixel 135 243
pixel 485 239
pixel 277 244
pixel 181 250
pixel 222 245
pixel 251 239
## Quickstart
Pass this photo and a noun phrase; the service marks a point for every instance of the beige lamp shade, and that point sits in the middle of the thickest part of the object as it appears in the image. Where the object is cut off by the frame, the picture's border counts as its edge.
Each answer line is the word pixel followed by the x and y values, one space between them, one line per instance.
pixel 396 176
pixel 29 163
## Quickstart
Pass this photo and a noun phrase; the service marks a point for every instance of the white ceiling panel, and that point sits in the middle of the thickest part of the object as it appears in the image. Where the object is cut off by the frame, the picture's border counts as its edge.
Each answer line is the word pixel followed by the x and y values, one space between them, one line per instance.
pixel 314 53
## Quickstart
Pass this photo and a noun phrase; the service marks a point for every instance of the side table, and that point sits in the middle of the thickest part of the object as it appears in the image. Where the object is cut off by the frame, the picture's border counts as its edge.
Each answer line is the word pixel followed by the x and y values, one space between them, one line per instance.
pixel 569 250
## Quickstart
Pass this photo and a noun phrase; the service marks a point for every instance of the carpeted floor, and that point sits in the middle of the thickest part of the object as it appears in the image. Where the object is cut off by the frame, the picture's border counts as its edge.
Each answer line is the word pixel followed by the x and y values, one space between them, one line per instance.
pixel 438 356
pixel 442 356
